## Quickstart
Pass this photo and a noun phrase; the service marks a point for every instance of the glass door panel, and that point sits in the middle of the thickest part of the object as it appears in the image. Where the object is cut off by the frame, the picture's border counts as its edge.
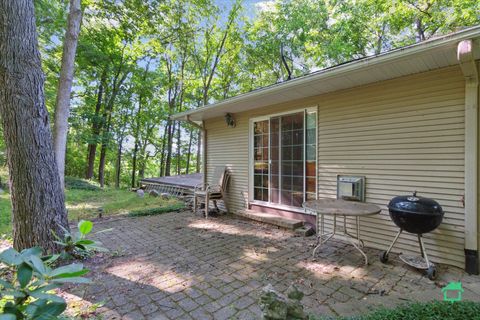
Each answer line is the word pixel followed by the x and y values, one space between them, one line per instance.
pixel 291 150
pixel 311 156
pixel 275 160
pixel 285 159
pixel 260 154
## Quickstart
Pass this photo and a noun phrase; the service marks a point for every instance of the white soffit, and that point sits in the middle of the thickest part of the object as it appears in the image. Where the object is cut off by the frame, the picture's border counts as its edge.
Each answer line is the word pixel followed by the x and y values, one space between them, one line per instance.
pixel 429 55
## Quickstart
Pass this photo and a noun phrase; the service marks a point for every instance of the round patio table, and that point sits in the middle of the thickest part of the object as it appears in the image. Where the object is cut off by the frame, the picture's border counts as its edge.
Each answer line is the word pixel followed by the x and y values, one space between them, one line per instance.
pixel 339 207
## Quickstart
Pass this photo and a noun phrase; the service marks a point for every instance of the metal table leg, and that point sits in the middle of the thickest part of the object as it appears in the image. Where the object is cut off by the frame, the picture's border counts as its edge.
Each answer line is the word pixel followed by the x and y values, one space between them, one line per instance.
pixel 355 241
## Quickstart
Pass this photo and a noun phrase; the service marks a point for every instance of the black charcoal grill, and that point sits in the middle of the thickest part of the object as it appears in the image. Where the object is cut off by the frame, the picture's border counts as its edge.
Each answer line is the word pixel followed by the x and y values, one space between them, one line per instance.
pixel 417 215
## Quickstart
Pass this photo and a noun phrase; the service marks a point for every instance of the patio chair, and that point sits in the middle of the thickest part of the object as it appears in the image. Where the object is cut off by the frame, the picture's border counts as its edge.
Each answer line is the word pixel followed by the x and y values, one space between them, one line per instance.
pixel 212 192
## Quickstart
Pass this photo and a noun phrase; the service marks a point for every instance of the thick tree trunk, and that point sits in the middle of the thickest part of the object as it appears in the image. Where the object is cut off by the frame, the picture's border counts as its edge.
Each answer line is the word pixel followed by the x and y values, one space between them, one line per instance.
pixel 62 106
pixel 38 203
pixel 92 146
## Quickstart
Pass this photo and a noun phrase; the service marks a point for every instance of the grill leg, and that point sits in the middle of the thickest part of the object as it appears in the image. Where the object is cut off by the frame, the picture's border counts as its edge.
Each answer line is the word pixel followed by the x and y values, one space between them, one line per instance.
pixel 394 240
pixel 422 249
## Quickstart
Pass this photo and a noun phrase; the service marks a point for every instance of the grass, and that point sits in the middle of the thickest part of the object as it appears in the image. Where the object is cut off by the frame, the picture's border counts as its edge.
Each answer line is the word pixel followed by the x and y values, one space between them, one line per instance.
pixel 435 310
pixel 85 202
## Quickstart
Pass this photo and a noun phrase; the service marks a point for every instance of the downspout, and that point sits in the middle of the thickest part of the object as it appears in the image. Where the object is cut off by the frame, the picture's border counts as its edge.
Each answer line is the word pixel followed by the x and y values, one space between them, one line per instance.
pixel 204 145
pixel 466 58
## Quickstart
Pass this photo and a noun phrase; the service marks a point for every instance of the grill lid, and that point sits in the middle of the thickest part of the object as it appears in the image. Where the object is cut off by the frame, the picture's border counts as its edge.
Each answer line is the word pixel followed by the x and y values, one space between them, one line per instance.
pixel 415 204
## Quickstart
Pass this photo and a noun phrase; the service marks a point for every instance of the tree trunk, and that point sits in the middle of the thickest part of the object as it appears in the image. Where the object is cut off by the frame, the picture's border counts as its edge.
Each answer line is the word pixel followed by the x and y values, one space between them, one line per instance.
pixel 134 164
pixel 118 164
pixel 179 144
pixel 168 162
pixel 62 105
pixel 162 158
pixel 92 146
pixel 199 155
pixel 189 154
pixel 420 30
pixel 103 152
pixel 38 203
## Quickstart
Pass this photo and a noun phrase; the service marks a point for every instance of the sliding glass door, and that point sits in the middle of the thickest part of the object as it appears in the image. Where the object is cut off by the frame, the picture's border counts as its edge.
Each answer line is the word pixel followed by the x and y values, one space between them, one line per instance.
pixel 284 158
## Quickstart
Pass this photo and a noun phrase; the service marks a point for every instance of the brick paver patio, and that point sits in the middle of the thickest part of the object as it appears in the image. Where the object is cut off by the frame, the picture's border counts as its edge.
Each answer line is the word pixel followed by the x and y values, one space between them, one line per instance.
pixel 181 266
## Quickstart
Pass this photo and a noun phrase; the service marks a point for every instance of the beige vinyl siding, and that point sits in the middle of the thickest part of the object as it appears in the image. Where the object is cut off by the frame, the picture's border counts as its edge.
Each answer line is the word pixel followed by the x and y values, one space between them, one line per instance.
pixel 404 134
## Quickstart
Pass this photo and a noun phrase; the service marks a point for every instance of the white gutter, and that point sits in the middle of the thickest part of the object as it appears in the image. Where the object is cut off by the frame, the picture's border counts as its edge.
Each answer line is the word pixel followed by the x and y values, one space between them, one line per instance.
pixel 466 58
pixel 364 63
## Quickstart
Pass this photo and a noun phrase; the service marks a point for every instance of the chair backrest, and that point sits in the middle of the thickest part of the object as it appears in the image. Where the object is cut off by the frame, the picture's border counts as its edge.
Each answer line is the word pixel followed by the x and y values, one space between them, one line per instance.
pixel 221 175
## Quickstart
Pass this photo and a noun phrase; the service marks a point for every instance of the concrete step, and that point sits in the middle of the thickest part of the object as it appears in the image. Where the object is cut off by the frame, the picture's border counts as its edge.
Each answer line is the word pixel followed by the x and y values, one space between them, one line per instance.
pixel 282 222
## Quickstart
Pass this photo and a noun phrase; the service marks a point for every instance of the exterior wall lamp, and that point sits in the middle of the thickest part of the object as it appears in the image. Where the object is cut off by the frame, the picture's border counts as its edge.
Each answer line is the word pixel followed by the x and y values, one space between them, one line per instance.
pixel 230 121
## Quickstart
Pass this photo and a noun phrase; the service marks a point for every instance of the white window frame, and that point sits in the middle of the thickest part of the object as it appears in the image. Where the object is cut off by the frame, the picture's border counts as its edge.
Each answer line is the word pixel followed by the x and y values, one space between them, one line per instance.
pixel 251 201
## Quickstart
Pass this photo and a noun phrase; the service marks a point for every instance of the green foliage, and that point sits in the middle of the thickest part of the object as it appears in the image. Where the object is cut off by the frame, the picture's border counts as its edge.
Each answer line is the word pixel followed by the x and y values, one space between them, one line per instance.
pixel 27 291
pixel 155 211
pixel 76 244
pixel 419 311
pixel 80 184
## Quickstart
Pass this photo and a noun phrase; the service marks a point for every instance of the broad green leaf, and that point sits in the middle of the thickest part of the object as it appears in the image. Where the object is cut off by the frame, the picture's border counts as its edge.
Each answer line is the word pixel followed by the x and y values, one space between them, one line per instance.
pixel 13 293
pixel 24 274
pixel 35 251
pixel 85 227
pixel 47 296
pixel 7 316
pixel 71 274
pixel 85 242
pixel 45 310
pixel 46 288
pixel 71 280
pixel 48 260
pixel 71 268
pixel 6 284
pixel 38 265
pixel 11 257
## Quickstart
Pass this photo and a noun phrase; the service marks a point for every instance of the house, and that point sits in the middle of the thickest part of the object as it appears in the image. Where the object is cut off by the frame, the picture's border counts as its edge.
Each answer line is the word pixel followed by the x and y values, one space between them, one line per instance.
pixel 452 292
pixel 406 120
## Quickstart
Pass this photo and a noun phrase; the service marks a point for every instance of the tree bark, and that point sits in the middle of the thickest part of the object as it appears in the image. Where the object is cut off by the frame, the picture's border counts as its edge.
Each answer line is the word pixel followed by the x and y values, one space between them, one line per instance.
pixel 134 164
pixel 62 105
pixel 103 151
pixel 168 162
pixel 162 158
pixel 199 154
pixel 92 146
pixel 179 144
pixel 189 154
pixel 38 203
pixel 118 164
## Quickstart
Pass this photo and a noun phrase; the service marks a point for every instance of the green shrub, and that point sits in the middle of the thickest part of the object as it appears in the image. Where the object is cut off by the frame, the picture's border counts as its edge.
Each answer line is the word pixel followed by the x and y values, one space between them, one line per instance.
pixel 80 184
pixel 76 244
pixel 26 291
pixel 440 310
pixel 154 211
pixel 431 310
